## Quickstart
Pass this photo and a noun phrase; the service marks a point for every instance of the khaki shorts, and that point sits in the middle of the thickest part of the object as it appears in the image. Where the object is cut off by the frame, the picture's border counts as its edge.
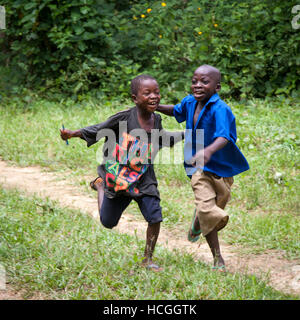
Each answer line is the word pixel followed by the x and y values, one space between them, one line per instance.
pixel 211 196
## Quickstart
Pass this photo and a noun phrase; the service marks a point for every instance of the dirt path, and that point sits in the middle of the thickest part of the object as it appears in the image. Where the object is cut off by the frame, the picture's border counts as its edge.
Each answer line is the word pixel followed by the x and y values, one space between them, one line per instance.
pixel 284 275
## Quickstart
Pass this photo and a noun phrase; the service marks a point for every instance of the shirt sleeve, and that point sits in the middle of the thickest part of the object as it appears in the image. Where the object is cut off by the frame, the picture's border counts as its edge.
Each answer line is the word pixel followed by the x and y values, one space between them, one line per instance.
pixel 179 110
pixel 225 124
pixel 89 134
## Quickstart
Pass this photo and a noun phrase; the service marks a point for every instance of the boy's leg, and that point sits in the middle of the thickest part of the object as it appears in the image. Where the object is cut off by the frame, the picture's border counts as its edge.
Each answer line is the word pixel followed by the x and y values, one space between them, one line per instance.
pixel 151 210
pixel 223 191
pixel 211 196
pixel 99 186
pixel 112 209
pixel 213 242
pixel 152 234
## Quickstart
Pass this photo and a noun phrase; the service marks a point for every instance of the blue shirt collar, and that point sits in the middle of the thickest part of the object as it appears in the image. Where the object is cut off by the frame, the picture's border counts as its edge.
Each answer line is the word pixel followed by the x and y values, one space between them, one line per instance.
pixel 214 98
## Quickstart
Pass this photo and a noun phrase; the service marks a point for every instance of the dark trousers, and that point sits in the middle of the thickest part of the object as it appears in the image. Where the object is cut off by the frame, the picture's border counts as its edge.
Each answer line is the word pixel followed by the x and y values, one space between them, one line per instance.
pixel 112 209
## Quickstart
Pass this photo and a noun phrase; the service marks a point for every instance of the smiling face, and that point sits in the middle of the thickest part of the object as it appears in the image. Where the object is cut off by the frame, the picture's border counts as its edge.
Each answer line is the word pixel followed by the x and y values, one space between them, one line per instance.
pixel 147 97
pixel 205 83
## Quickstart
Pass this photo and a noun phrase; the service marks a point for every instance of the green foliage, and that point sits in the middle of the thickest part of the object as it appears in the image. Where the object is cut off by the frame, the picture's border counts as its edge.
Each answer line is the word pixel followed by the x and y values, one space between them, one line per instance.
pixel 67 44
pixel 78 46
pixel 252 42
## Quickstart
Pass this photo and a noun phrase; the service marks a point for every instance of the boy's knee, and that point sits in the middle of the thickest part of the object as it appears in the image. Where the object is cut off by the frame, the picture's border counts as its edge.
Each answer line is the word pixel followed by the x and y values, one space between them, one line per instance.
pixel 108 223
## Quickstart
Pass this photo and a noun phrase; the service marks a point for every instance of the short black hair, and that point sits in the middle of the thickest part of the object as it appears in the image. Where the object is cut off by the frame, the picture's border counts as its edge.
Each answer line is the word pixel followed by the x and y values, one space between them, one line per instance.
pixel 136 82
pixel 213 70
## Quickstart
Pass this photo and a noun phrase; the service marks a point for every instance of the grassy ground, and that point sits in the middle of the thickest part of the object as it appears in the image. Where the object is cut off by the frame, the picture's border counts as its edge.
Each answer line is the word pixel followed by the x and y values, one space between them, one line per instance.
pixel 67 255
pixel 264 211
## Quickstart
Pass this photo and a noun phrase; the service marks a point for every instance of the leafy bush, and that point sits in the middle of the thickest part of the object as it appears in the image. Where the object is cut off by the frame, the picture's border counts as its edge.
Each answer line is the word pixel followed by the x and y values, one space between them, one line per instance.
pixel 65 44
pixel 252 42
pixel 78 46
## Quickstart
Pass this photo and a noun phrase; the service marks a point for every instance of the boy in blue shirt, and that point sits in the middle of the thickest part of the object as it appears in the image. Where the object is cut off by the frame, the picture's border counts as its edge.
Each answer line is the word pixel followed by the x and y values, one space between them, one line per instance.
pixel 210 162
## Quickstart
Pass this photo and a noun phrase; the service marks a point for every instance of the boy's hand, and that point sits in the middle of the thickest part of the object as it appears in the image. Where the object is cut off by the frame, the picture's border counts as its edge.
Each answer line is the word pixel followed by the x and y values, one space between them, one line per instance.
pixel 66 134
pixel 201 158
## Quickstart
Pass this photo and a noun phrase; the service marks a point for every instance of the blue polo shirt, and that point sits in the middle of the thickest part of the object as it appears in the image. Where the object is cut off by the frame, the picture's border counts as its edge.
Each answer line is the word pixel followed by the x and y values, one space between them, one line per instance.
pixel 216 120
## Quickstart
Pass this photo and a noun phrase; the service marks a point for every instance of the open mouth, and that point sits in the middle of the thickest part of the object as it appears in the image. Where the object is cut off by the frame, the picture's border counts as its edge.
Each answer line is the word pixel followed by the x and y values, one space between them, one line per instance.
pixel 153 104
pixel 198 92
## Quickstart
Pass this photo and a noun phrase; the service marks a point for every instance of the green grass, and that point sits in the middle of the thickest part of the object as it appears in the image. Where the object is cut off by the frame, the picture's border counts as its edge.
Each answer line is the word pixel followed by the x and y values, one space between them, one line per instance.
pixel 265 200
pixel 264 232
pixel 64 254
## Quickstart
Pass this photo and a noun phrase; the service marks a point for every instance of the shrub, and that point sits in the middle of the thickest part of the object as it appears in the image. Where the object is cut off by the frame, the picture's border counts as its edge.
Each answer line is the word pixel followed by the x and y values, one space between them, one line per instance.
pixel 78 46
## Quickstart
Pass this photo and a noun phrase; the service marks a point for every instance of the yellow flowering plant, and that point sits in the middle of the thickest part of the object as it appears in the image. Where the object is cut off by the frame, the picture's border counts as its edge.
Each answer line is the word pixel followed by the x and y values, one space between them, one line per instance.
pixel 169 38
pixel 180 35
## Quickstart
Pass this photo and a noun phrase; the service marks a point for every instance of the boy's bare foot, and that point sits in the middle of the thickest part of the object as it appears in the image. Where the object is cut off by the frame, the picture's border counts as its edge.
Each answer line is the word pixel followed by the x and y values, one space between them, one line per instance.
pixel 221 268
pixel 219 264
pixel 150 265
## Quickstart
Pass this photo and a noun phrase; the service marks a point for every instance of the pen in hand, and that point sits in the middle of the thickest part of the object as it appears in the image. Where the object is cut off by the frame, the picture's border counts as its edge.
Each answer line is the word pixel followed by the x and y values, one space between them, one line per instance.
pixel 67 142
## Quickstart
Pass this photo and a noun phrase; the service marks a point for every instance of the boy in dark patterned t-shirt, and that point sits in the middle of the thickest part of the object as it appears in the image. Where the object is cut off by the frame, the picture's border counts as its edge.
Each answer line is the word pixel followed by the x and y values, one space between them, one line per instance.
pixel 133 138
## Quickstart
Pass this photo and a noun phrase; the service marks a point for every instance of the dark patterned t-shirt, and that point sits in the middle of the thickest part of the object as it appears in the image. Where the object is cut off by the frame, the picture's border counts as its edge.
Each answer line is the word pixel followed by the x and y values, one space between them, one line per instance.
pixel 129 153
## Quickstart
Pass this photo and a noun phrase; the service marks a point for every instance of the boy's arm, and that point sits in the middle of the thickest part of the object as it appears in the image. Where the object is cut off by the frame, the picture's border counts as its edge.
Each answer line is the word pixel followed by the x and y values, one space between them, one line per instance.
pixel 166 109
pixel 169 138
pixel 205 154
pixel 68 134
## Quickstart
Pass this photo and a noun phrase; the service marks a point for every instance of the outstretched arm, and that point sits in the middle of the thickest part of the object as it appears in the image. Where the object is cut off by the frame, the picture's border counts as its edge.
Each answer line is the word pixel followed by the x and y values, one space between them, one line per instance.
pixel 166 109
pixel 68 134
pixel 169 138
